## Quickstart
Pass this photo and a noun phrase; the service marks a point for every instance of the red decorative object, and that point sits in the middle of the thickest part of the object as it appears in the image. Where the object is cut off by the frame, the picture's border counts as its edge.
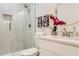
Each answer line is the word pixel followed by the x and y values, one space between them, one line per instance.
pixel 54 20
pixel 57 21
pixel 61 22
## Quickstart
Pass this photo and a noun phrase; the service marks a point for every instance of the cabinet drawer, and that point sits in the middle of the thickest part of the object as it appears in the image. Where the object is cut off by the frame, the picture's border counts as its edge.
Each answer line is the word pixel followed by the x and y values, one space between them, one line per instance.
pixel 58 48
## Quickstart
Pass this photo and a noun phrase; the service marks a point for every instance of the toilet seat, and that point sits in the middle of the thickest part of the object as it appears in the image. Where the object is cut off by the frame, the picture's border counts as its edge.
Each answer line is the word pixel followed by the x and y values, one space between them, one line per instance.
pixel 30 52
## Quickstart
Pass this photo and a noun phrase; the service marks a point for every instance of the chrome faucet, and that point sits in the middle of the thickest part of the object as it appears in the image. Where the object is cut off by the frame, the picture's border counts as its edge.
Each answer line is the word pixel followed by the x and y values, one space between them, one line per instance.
pixel 70 33
pixel 65 33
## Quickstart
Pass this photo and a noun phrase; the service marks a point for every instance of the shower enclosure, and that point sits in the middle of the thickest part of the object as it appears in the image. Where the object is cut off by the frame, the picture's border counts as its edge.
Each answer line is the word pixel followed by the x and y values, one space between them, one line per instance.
pixel 17 27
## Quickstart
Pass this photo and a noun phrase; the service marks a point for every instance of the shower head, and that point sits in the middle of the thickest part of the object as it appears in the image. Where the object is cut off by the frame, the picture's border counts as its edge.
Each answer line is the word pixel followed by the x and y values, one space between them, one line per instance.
pixel 26 5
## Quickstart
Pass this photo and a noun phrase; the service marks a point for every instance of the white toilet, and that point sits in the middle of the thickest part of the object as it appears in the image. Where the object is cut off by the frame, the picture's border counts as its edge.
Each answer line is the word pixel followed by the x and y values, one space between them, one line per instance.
pixel 30 52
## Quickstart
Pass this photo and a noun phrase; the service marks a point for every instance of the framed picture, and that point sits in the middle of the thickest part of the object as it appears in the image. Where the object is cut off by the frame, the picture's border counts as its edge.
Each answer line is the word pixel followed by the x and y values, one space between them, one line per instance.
pixel 45 21
pixel 39 21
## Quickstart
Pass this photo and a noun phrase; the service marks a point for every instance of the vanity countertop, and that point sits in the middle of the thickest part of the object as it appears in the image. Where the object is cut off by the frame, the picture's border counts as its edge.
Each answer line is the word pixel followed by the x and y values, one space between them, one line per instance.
pixel 73 41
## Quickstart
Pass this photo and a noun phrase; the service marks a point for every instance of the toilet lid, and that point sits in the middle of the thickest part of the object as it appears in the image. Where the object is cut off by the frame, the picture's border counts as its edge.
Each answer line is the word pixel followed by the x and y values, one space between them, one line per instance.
pixel 29 52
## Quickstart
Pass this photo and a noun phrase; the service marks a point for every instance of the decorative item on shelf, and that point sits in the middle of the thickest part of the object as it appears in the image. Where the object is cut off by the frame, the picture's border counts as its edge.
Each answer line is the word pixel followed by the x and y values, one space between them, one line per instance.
pixel 56 21
pixel 54 30
pixel 43 21
pixel 39 21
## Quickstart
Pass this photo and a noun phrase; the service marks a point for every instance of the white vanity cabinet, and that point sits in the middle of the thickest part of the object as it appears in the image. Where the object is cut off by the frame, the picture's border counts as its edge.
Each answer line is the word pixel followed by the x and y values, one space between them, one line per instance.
pixel 58 48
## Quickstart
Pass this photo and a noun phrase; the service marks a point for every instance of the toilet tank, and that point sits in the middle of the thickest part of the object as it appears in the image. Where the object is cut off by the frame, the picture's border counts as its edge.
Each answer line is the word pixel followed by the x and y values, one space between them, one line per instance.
pixel 11 8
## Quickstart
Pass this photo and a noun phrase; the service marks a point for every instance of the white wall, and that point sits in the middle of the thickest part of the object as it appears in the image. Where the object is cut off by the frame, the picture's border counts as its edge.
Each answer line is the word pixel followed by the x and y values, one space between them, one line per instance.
pixel 66 11
pixel 69 12
pixel 45 8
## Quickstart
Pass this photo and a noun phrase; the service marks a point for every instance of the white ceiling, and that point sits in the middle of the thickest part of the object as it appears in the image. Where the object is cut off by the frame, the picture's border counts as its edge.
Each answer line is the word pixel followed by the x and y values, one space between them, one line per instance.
pixel 11 8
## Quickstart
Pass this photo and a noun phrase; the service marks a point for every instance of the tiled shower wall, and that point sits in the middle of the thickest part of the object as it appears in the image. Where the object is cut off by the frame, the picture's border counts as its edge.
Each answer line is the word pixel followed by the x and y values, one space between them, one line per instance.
pixel 21 35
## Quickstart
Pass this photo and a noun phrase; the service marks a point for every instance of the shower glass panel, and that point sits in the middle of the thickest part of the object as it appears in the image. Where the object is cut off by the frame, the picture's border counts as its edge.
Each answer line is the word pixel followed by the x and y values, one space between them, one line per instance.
pixel 17 30
pixel 29 26
pixel 5 35
pixel 24 29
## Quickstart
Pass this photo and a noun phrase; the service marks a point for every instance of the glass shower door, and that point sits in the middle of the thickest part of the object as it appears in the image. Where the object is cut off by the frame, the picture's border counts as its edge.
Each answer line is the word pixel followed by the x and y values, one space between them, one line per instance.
pixel 17 30
pixel 5 32
pixel 29 26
